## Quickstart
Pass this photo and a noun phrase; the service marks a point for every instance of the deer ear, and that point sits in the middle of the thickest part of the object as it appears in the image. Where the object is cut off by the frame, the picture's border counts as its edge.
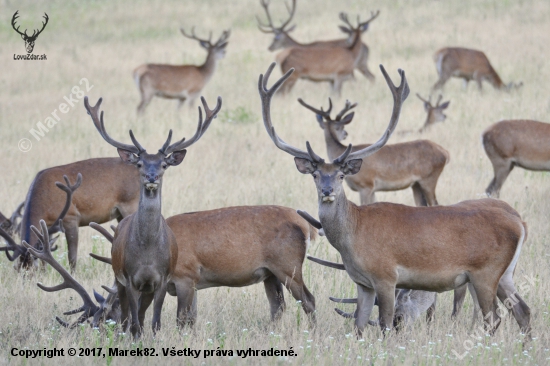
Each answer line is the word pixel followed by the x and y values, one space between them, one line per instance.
pixel 175 158
pixel 344 29
pixel 291 28
pixel 305 166
pixel 347 119
pixel 320 121
pixel 427 106
pixel 364 27
pixel 351 167
pixel 444 105
pixel 128 156
pixel 204 44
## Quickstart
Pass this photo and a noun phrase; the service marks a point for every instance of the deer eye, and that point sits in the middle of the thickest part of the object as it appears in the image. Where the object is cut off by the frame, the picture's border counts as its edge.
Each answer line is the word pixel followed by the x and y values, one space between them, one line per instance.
pixel 314 175
pixel 341 177
pixel 164 166
pixel 139 165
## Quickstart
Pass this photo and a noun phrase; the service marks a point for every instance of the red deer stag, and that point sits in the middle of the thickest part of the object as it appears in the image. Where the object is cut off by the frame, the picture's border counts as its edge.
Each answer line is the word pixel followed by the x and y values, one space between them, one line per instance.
pixel 385 246
pixel 435 113
pixel 417 164
pixel 108 308
pixel 109 178
pixel 268 245
pixel 182 82
pixel 333 64
pixel 513 143
pixel 469 65
pixel 282 38
pixel 144 251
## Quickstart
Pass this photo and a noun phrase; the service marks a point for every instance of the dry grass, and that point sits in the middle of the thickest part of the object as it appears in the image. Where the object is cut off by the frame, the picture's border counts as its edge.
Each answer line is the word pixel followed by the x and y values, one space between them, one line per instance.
pixel 236 164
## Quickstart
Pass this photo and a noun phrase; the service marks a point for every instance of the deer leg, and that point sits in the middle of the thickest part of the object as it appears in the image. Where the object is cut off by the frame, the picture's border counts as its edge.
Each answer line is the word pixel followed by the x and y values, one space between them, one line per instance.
pixel 419 198
pixel 428 189
pixel 509 296
pixel 71 233
pixel 362 63
pixel 181 102
pixel 487 299
pixel 145 100
pixel 123 300
pixel 502 169
pixel 275 296
pixel 160 295
pixel 133 302
pixel 458 301
pixel 478 80
pixel 294 283
pixel 145 301
pixel 366 196
pixel 385 293
pixel 430 313
pixel 365 302
pixel 185 292
pixel 441 82
pixel 337 85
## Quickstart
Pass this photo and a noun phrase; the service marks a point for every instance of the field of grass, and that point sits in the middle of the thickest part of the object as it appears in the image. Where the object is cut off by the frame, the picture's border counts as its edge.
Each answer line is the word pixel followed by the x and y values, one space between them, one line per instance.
pixel 235 163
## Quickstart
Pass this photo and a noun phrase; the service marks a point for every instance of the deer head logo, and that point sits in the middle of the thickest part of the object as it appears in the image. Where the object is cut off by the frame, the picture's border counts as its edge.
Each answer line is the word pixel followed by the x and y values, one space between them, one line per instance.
pixel 29 40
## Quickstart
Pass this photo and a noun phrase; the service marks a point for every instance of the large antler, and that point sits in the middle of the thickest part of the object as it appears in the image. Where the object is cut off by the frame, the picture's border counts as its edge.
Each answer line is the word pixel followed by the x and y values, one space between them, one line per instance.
pixel 12 246
pixel 266 95
pixel 194 36
pixel 69 189
pixel 270 28
pixel 399 93
pixel 326 115
pixel 88 308
pixel 35 33
pixel 201 129
pixel 100 126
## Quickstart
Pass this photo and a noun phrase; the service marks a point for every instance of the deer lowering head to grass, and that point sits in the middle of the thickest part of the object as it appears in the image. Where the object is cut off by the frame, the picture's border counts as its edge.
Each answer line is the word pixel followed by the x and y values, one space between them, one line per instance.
pixel 469 65
pixel 385 246
pixel 283 40
pixel 435 113
pixel 107 308
pixel 326 63
pixel 181 82
pixel 145 252
pixel 417 164
pixel 510 143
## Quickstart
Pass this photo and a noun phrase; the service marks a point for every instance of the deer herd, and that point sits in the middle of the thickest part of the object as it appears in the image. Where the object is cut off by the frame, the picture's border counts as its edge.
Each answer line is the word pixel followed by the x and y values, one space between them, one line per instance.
pixel 398 256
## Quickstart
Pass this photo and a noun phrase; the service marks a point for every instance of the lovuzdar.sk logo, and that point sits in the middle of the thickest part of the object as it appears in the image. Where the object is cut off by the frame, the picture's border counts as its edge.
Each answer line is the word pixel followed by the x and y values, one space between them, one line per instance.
pixel 29 40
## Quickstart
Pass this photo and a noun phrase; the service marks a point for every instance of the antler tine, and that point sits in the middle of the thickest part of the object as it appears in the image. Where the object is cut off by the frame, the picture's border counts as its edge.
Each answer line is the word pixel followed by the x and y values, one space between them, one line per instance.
pixel 69 190
pixel 102 231
pixel 343 301
pixel 194 36
pixel 43 25
pixel 323 262
pixel 265 96
pixel 424 100
pixel 318 112
pixel 373 14
pixel 265 5
pixel 17 213
pixel 291 14
pixel 439 100
pixel 201 128
pixel 346 109
pixel 399 95
pixel 344 18
pixel 13 19
pixel 12 246
pixel 68 281
pixel 100 126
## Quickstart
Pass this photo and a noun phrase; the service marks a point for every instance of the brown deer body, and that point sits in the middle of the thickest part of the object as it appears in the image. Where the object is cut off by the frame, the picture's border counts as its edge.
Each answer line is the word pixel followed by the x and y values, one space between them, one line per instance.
pixel 241 246
pixel 385 246
pixel 145 251
pixel 417 164
pixel 109 191
pixel 511 143
pixel 182 82
pixel 469 65
pixel 332 64
pixel 283 40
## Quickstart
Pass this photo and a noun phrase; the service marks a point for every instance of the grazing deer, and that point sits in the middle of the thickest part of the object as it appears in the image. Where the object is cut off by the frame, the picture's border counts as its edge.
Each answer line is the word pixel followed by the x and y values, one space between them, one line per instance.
pixel 144 251
pixel 109 178
pixel 435 113
pixel 417 164
pixel 469 65
pixel 182 82
pixel 513 143
pixel 385 246
pixel 108 308
pixel 282 38
pixel 333 64
pixel 250 244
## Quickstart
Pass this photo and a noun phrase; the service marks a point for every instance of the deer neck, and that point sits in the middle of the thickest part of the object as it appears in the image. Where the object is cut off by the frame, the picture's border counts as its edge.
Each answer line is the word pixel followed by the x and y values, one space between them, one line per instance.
pixel 334 147
pixel 209 66
pixel 338 220
pixel 149 216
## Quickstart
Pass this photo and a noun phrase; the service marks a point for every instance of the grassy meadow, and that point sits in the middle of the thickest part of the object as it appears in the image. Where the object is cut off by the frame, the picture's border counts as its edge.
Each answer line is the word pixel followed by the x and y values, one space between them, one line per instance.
pixel 235 163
